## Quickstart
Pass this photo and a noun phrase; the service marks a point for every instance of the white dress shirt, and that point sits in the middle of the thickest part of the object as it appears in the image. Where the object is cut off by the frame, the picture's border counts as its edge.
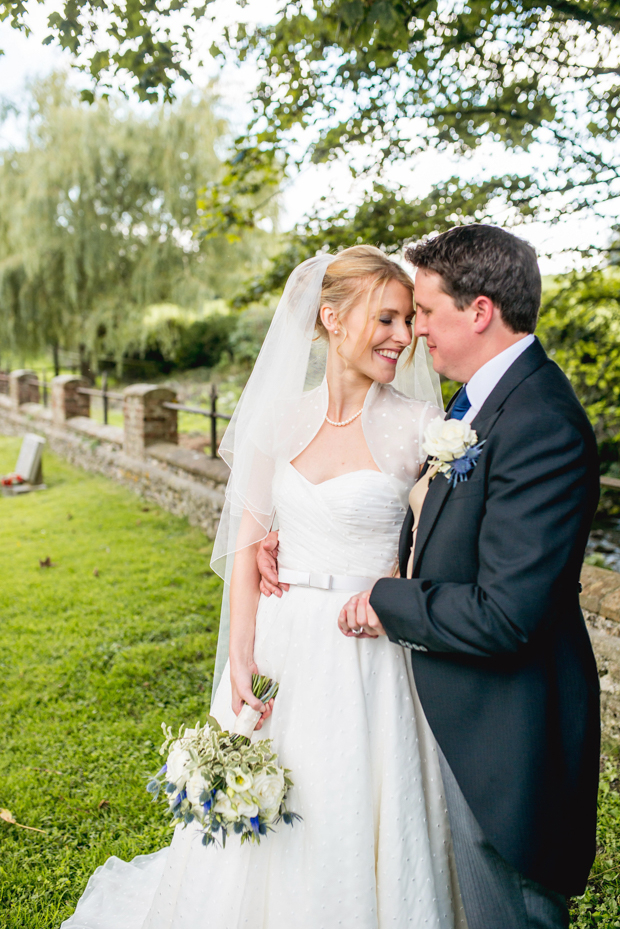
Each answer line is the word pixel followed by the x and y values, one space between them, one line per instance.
pixel 486 377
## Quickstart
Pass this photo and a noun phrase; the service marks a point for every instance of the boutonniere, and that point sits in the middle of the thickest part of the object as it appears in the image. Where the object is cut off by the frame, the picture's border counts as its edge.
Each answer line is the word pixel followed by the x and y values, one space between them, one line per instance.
pixel 454 446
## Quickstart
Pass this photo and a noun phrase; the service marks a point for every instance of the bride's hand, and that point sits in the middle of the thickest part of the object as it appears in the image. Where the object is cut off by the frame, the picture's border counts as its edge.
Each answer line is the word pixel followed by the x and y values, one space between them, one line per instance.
pixel 241 684
pixel 267 563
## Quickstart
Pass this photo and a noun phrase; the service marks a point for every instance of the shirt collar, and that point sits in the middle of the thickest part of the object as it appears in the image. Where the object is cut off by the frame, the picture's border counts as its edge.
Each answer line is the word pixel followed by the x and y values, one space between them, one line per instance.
pixel 484 380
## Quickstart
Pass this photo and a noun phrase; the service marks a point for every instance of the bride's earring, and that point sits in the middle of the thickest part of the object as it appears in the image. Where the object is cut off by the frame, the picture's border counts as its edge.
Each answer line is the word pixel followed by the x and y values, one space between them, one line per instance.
pixel 335 331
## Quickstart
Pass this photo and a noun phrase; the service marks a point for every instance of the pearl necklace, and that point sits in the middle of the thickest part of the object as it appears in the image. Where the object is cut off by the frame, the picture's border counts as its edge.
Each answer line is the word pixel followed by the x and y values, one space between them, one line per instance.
pixel 345 422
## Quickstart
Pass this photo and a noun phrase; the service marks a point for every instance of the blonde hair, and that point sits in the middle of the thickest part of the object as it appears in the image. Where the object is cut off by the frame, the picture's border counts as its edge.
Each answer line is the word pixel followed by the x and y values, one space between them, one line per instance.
pixel 355 270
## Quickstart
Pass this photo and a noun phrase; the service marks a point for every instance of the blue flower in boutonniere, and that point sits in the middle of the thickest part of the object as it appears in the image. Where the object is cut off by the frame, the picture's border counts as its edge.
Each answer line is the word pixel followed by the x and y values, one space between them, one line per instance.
pixel 454 446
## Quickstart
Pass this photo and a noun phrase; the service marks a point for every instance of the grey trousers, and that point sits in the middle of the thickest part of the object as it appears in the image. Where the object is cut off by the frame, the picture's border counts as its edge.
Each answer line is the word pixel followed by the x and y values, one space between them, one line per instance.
pixel 494 894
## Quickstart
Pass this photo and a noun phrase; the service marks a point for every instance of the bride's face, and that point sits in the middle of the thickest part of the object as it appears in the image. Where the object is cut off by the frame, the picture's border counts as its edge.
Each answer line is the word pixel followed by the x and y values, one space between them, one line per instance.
pixel 377 331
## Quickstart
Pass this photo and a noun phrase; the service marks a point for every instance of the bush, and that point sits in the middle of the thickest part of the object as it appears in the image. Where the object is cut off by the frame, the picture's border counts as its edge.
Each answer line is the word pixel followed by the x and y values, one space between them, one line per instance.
pixel 248 336
pixel 179 344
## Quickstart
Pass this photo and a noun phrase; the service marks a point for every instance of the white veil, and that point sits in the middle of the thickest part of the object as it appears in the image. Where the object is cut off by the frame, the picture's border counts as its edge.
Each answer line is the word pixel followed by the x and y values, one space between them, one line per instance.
pixel 280 411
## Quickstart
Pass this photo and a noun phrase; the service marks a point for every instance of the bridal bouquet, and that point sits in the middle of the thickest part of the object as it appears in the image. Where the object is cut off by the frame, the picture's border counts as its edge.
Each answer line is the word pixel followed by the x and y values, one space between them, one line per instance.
pixel 223 781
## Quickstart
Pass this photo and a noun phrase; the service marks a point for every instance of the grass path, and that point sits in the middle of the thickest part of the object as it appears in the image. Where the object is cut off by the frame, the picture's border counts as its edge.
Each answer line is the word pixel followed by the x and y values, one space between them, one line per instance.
pixel 90 666
pixel 94 653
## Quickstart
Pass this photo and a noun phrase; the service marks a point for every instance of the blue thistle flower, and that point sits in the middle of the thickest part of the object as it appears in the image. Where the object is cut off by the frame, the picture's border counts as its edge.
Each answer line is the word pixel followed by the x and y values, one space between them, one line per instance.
pixel 460 467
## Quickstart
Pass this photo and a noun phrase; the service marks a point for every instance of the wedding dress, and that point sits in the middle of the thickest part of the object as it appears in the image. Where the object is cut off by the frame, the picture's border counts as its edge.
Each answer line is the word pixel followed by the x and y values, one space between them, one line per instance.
pixel 373 847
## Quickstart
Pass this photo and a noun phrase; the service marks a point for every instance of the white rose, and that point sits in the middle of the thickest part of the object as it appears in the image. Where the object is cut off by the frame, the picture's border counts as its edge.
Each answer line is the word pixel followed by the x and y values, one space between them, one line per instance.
pixel 224 806
pixel 238 781
pixel 269 790
pixel 194 787
pixel 246 807
pixel 176 767
pixel 448 439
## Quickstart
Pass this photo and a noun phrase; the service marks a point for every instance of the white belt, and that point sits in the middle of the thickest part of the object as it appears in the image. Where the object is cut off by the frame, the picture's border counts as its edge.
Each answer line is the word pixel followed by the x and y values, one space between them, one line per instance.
pixel 325 581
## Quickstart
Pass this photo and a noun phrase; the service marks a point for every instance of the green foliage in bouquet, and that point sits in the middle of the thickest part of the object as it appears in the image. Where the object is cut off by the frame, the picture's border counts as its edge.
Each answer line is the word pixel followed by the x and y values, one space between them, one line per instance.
pixel 222 781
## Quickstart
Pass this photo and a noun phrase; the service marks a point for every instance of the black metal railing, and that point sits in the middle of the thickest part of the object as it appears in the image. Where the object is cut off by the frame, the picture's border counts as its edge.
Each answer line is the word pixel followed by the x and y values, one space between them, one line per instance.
pixel 103 392
pixel 41 389
pixel 212 413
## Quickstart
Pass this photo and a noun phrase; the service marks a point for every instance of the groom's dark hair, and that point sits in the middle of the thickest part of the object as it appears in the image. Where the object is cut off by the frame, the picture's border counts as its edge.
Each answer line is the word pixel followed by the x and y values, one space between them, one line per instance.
pixel 477 260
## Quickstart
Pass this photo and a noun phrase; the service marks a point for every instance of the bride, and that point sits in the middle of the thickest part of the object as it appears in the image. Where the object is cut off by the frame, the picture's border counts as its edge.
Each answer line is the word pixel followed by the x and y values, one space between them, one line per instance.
pixel 333 464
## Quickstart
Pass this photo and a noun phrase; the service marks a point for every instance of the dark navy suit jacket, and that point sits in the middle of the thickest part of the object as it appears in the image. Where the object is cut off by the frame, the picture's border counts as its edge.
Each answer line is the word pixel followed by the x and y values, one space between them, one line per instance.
pixel 500 652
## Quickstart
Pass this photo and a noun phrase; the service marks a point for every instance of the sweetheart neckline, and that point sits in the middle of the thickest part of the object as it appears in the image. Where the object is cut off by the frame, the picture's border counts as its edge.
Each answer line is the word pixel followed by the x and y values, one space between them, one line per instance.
pixel 338 476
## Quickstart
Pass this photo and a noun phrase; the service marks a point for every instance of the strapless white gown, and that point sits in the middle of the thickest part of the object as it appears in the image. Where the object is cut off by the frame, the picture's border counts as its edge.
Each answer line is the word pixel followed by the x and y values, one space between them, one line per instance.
pixel 373 849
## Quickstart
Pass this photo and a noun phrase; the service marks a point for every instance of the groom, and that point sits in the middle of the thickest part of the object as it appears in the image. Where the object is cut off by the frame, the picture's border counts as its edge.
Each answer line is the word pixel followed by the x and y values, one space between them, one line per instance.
pixel 488 600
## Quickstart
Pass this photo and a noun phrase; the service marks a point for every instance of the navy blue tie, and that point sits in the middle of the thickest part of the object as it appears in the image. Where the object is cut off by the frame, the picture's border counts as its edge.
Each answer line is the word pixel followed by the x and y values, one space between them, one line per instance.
pixel 460 405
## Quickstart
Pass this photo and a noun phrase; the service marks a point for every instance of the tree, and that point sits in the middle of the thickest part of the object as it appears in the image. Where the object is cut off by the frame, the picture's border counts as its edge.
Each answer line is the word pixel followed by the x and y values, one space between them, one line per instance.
pixel 96 219
pixel 377 82
pixel 580 329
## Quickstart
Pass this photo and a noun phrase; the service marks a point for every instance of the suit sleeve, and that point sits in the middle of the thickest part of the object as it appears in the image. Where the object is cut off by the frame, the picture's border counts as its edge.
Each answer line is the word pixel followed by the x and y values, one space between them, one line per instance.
pixel 541 475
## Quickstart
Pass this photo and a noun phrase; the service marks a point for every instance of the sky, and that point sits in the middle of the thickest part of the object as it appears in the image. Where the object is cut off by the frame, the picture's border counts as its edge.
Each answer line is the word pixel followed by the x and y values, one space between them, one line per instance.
pixel 26 58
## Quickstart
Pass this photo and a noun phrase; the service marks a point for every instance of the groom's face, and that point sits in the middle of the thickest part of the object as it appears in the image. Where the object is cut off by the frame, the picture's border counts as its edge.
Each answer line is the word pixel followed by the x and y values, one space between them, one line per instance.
pixel 448 331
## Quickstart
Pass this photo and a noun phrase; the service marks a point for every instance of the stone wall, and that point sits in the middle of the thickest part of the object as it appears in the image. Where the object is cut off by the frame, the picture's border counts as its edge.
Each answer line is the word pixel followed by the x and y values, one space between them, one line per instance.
pixel 143 455
pixel 600 601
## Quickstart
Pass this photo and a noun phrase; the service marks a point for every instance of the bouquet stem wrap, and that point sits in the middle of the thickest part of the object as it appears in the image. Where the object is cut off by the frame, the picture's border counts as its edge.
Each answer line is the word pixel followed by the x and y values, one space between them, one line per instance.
pixel 264 689
pixel 247 721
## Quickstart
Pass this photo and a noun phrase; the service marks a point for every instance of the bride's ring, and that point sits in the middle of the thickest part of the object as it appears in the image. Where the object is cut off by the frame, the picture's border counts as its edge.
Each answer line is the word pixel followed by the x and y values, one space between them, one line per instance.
pixel 357 631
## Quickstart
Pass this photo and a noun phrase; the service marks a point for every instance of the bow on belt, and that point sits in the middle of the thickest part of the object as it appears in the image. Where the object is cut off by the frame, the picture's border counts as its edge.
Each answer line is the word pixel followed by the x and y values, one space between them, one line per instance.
pixel 325 581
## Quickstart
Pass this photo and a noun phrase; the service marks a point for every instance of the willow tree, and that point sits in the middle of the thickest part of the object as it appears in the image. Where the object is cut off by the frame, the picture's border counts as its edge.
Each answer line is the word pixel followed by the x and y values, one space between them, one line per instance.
pixel 97 212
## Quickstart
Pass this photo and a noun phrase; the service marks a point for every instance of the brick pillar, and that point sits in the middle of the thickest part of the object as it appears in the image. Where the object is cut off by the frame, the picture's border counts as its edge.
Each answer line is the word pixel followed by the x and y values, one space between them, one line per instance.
pixel 66 401
pixel 146 421
pixel 21 388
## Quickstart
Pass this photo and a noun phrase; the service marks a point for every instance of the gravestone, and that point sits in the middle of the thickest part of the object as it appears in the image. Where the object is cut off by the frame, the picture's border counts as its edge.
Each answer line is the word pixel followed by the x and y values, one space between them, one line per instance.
pixel 29 466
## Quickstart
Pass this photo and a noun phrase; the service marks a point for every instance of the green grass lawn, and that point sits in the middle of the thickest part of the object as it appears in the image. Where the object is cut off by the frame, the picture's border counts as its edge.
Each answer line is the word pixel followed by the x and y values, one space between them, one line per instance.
pixel 94 653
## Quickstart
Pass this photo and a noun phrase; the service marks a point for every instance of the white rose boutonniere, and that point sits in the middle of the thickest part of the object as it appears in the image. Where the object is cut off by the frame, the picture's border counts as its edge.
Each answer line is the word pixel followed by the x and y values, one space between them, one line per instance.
pixel 454 444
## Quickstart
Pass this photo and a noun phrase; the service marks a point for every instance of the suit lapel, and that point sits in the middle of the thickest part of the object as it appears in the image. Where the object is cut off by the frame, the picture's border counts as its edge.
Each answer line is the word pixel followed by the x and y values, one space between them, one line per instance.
pixel 531 359
pixel 404 546
pixel 438 493
pixel 404 543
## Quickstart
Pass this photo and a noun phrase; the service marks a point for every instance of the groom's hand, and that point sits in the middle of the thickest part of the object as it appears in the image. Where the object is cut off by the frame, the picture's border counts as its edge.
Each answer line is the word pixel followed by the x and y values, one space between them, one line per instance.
pixel 267 563
pixel 358 614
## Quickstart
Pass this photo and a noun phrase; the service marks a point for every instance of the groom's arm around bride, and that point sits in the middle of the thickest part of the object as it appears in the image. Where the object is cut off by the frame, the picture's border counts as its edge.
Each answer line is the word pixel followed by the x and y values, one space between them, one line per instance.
pixel 490 607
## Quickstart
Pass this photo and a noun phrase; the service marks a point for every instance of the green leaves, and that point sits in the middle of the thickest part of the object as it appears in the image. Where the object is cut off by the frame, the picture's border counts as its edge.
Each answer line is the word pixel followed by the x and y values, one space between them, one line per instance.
pixel 580 328
pixel 130 45
pixel 351 77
